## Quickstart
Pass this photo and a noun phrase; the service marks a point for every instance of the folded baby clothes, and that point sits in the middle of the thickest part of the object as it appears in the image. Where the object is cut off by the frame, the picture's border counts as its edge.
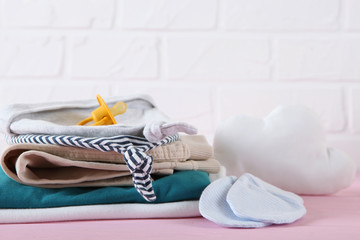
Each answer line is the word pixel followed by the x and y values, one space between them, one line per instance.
pixel 133 148
pixel 142 118
pixel 180 186
pixel 55 166
pixel 177 209
pixel 186 147
pixel 137 134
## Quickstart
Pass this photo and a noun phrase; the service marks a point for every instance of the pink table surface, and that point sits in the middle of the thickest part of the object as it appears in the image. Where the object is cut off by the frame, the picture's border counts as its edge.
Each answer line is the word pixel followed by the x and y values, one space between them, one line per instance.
pixel 328 217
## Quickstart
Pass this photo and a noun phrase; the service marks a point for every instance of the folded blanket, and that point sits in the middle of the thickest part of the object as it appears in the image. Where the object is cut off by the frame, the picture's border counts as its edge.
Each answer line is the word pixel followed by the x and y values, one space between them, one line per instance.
pixel 141 118
pixel 97 212
pixel 180 186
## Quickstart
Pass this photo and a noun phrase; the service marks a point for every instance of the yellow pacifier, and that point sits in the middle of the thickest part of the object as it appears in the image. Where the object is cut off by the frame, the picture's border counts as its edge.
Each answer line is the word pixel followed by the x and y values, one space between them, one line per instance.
pixel 103 115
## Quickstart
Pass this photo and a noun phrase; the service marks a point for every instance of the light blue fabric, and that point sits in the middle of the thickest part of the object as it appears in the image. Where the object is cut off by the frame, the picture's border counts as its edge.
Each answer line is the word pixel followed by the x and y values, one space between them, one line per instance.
pixel 249 202
pixel 213 206
pixel 254 199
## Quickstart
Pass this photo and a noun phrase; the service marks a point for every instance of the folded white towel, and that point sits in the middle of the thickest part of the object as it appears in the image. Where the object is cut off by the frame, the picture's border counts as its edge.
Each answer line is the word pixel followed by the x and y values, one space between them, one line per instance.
pixel 97 212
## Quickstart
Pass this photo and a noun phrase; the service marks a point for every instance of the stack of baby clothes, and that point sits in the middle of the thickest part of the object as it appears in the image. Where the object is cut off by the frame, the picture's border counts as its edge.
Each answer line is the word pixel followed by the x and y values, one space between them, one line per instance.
pixel 138 168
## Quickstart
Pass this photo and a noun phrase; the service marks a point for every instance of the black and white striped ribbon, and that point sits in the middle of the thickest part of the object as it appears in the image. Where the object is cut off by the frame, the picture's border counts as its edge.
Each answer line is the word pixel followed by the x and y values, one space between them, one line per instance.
pixel 133 148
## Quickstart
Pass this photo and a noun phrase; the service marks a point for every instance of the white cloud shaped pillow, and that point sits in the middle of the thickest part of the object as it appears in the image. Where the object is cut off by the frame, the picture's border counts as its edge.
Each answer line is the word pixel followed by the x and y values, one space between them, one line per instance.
pixel 287 149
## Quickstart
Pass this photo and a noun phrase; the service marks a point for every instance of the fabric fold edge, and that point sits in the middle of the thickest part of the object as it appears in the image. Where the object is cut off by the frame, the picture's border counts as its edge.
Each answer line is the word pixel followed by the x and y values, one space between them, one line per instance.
pixel 101 212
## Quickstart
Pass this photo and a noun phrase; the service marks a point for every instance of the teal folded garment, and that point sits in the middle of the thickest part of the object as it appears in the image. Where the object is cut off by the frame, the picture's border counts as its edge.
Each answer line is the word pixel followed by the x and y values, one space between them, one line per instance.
pixel 180 186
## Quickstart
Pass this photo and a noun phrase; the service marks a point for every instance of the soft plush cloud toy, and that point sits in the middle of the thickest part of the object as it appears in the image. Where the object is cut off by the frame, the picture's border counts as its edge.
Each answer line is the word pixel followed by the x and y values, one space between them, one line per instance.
pixel 287 149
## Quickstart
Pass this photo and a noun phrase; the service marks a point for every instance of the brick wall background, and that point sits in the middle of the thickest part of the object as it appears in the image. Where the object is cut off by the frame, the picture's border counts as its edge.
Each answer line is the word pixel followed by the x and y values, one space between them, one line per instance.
pixel 213 58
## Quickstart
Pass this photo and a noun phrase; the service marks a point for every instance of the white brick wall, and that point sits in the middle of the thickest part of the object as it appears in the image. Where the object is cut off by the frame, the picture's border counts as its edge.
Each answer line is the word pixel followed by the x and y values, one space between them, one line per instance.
pixel 352 14
pixel 355 110
pixel 114 56
pixel 167 14
pixel 58 13
pixel 217 58
pixel 201 60
pixel 27 56
pixel 280 14
pixel 318 59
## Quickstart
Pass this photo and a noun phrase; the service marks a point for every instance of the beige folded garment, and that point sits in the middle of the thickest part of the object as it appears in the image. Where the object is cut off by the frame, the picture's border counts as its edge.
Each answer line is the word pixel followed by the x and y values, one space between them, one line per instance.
pixel 54 166
pixel 188 147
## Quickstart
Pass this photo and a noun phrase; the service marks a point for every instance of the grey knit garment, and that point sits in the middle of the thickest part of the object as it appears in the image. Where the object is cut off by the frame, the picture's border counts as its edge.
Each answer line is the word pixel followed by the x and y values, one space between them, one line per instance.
pixel 142 118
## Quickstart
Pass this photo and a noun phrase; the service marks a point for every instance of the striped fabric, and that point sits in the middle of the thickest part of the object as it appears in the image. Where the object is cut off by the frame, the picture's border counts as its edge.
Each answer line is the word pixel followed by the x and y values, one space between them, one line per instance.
pixel 133 148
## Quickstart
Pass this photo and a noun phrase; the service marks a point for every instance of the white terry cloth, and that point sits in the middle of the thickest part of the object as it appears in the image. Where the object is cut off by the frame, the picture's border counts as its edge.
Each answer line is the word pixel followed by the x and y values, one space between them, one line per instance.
pixel 142 118
pixel 97 212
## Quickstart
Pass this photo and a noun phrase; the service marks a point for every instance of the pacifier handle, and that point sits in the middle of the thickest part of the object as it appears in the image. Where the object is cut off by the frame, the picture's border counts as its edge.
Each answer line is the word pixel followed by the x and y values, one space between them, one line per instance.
pixel 103 115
